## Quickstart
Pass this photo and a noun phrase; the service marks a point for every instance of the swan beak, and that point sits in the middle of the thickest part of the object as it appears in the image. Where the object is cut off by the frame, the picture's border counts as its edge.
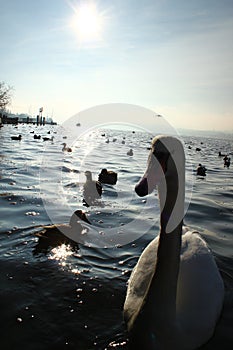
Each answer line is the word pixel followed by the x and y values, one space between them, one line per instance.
pixel 142 187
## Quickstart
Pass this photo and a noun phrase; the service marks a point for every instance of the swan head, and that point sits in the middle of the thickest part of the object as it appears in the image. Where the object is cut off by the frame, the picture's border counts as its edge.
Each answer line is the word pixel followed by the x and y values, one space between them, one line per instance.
pixel 166 170
pixel 165 161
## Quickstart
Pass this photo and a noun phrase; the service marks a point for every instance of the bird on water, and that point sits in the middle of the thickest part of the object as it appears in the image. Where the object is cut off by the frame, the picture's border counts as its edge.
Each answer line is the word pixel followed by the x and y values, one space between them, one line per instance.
pixel 175 292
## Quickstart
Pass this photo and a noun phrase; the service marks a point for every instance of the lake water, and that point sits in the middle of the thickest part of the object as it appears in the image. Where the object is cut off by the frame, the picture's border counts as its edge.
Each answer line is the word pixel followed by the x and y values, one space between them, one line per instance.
pixel 66 298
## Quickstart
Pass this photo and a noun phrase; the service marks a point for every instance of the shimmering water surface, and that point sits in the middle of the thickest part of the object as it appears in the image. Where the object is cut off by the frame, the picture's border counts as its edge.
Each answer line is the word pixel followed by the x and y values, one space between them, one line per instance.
pixel 72 297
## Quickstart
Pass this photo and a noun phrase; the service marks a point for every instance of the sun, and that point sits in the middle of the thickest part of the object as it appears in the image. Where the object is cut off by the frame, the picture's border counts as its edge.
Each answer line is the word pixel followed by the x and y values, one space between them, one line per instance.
pixel 87 22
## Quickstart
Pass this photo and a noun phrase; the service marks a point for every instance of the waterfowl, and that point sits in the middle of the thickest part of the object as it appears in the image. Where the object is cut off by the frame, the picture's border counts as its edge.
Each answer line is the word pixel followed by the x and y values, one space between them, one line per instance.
pixel 201 170
pixel 130 152
pixel 37 137
pixel 92 190
pixel 227 161
pixel 55 235
pixel 48 138
pixel 108 177
pixel 16 138
pixel 65 148
pixel 175 292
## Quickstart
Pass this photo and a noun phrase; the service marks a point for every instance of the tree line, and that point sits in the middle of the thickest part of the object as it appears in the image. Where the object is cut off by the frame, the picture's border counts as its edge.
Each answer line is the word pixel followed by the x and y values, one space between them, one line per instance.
pixel 5 95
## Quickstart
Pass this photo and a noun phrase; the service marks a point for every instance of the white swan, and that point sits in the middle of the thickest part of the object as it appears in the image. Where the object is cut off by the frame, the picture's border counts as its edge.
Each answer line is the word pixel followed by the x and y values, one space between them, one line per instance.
pixel 175 292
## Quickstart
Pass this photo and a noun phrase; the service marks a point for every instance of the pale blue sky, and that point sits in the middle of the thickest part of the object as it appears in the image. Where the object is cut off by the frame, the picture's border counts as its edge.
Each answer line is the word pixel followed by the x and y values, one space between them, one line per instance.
pixel 172 56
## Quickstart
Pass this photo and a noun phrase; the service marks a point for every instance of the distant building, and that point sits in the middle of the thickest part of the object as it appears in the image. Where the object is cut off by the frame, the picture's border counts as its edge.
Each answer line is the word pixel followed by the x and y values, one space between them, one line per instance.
pixel 10 118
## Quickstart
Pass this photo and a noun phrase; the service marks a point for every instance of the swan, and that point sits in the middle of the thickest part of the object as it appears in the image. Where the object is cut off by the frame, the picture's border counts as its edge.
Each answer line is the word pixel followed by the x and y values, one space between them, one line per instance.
pixel 175 292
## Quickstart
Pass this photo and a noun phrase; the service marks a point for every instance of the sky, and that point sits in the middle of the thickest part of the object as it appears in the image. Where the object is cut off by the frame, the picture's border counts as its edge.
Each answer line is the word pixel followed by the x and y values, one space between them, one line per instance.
pixel 171 57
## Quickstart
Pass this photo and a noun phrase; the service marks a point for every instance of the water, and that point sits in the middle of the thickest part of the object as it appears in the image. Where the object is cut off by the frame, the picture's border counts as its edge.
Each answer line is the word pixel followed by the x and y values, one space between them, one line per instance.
pixel 67 298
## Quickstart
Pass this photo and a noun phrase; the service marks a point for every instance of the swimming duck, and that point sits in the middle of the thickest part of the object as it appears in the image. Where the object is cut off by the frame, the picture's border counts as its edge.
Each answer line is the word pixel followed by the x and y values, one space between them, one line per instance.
pixel 108 177
pixel 92 190
pixel 37 137
pixel 55 235
pixel 175 292
pixel 66 149
pixel 48 138
pixel 16 138
pixel 201 170
pixel 130 152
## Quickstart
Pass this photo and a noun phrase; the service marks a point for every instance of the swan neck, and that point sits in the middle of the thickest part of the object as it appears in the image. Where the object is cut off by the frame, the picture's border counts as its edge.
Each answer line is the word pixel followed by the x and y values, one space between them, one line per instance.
pixel 164 285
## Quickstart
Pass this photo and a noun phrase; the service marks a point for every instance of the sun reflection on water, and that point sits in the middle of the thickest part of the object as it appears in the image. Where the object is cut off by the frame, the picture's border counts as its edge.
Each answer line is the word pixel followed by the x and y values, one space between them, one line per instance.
pixel 60 254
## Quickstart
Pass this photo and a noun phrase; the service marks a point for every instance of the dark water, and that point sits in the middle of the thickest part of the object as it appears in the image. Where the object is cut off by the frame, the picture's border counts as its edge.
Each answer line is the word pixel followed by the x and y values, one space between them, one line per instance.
pixel 72 298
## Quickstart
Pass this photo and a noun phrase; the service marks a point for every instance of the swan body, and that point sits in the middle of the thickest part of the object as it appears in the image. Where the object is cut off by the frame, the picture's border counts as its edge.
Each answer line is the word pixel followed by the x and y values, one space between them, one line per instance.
pixel 175 292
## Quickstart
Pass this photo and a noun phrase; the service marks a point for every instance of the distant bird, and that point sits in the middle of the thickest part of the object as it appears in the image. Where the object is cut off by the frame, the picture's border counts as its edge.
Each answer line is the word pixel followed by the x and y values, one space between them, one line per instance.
pixel 175 293
pixel 220 154
pixel 92 190
pixel 16 138
pixel 130 152
pixel 66 149
pixel 198 149
pixel 48 139
pixel 108 177
pixel 107 141
pixel 201 170
pixel 55 235
pixel 227 161
pixel 37 137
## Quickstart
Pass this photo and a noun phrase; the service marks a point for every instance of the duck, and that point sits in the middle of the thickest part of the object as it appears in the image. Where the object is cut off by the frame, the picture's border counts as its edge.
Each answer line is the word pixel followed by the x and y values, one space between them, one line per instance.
pixel 92 190
pixel 130 152
pixel 65 148
pixel 48 138
pixel 16 138
pixel 36 137
pixel 175 292
pixel 227 161
pixel 107 177
pixel 57 234
pixel 201 170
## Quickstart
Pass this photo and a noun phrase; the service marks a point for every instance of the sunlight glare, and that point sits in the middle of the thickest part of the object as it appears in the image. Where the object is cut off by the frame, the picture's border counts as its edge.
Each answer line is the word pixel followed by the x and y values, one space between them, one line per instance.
pixel 87 22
